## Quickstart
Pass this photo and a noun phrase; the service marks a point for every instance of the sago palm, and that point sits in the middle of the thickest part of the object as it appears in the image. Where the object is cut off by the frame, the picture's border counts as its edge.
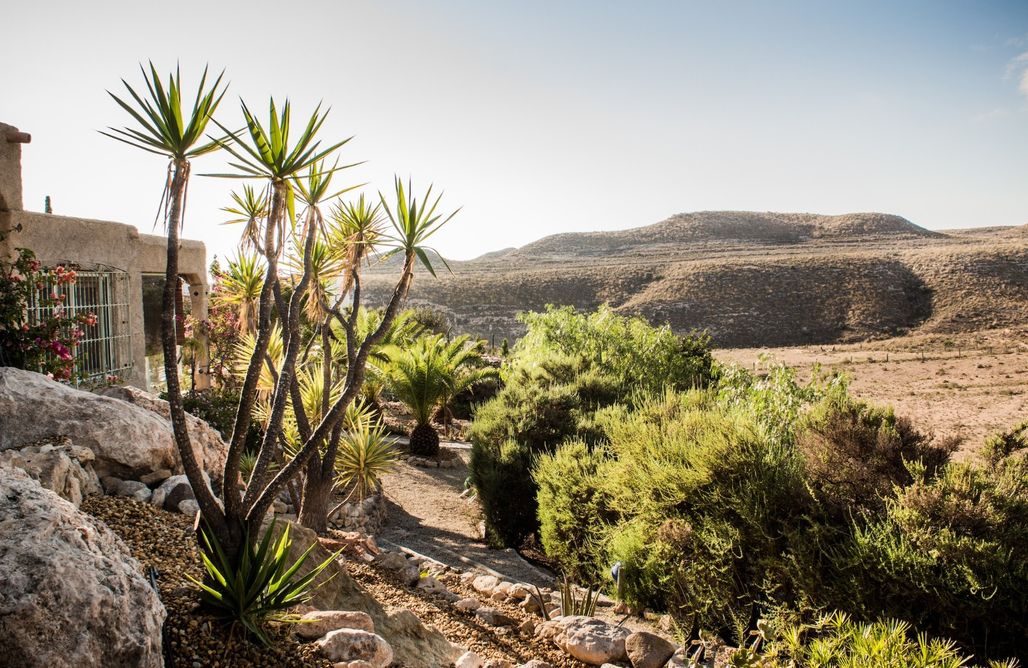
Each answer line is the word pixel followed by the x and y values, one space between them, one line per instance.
pixel 163 127
pixel 420 378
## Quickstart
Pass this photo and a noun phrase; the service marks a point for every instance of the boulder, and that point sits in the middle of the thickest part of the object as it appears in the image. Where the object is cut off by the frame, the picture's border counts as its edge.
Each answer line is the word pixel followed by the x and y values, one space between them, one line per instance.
pixel 129 441
pixel 72 594
pixel 648 650
pixel 587 639
pixel 319 622
pixel 133 489
pixel 60 467
pixel 413 643
pixel 170 494
pixel 356 645
pixel 206 440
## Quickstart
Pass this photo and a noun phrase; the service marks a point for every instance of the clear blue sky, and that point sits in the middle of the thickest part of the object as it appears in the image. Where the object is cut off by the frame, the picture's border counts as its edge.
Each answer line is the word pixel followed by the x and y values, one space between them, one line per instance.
pixel 542 117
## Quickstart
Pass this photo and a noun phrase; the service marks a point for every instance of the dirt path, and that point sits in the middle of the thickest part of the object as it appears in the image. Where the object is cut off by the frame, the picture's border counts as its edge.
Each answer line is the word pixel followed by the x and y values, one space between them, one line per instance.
pixel 427 515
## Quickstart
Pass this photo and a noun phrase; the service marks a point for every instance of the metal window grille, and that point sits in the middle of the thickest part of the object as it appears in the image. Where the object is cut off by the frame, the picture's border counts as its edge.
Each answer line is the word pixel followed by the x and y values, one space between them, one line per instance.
pixel 105 350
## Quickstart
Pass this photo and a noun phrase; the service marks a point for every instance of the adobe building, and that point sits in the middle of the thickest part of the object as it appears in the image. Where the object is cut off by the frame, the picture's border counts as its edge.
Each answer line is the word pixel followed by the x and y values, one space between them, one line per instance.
pixel 120 277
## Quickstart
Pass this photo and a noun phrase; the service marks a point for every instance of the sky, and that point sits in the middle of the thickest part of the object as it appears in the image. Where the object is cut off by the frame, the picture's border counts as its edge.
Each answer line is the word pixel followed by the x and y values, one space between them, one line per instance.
pixel 546 117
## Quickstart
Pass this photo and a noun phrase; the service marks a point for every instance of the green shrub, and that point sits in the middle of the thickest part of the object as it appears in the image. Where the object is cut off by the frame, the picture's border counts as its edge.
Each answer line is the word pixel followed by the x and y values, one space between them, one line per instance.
pixel 502 476
pixel 854 454
pixel 571 508
pixel 951 556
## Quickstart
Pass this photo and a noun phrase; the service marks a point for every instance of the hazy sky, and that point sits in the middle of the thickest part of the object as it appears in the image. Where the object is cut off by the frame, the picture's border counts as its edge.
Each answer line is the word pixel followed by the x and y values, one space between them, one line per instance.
pixel 543 117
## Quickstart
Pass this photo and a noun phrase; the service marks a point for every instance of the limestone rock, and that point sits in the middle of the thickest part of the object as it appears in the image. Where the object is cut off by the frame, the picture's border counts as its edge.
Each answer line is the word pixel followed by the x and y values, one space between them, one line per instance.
pixel 413 643
pixel 497 663
pixel 60 467
pixel 172 492
pixel 468 604
pixel 648 650
pixel 392 561
pixel 206 440
pixel 356 645
pixel 587 639
pixel 72 594
pixel 133 489
pixel 485 584
pixel 468 660
pixel 536 663
pixel 128 441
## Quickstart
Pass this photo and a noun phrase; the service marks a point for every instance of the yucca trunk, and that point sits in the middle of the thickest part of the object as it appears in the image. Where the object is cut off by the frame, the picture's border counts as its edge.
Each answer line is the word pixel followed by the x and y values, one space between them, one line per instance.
pixel 228 534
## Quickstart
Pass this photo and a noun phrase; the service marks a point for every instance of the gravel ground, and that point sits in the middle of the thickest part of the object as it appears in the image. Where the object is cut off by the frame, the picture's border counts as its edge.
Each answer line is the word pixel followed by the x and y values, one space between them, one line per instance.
pixel 461 627
pixel 192 639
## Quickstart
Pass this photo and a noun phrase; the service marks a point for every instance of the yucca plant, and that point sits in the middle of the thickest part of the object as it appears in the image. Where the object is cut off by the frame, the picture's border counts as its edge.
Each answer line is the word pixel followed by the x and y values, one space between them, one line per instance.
pixel 572 602
pixel 250 209
pixel 366 453
pixel 261 585
pixel 242 282
pixel 164 128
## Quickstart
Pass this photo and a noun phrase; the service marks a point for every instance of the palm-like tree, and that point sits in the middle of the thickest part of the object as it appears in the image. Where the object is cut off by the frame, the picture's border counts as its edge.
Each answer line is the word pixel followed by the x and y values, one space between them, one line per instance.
pixel 241 284
pixel 250 209
pixel 426 375
pixel 163 128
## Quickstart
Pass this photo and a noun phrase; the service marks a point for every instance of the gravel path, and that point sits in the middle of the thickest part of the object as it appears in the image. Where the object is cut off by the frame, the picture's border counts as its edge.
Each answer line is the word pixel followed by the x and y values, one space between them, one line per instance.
pixel 427 515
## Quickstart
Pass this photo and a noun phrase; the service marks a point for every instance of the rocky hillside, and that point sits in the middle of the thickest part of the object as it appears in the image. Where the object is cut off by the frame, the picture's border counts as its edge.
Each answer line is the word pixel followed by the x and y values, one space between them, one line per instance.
pixel 749 278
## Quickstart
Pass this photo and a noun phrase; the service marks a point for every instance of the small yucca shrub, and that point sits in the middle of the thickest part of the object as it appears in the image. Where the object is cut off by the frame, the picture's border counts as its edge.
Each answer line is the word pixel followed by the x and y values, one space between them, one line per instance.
pixel 261 587
pixel 365 454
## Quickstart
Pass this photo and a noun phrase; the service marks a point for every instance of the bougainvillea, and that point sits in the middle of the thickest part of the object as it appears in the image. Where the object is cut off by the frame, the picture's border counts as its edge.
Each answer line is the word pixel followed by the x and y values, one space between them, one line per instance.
pixel 45 342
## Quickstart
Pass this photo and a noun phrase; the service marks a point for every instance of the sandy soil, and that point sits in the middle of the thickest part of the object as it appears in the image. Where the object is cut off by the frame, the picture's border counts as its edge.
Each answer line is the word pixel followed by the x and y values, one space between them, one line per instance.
pixel 970 386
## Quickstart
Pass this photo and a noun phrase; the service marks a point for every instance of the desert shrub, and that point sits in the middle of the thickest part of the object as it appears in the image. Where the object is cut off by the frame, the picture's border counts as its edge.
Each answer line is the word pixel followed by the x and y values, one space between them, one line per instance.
pixel 571 508
pixel 999 446
pixel 630 350
pixel 836 640
pixel 854 454
pixel 951 556
pixel 502 476
pixel 568 367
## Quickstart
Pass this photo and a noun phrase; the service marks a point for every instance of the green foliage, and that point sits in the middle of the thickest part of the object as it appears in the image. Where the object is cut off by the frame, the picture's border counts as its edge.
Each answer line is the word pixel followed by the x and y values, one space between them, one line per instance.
pixel 855 453
pixel 261 586
pixel 501 473
pixel 567 369
pixel 630 350
pixel 577 601
pixel 950 554
pixel 162 128
pixel 365 454
pixel 572 508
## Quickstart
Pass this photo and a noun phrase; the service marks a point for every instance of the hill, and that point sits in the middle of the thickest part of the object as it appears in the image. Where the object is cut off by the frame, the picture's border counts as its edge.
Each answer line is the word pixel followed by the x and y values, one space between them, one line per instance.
pixel 748 278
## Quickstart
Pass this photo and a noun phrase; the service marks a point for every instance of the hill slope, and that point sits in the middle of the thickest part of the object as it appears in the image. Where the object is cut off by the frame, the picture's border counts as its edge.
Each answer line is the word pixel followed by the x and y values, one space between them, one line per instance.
pixel 748 278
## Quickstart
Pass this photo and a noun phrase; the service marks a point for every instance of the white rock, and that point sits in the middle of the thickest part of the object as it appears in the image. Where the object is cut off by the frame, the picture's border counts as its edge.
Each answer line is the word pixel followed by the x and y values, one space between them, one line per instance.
pixel 72 594
pixel 189 507
pixel 356 645
pixel 485 584
pixel 586 638
pixel 468 604
pixel 468 660
pixel 65 469
pixel 319 622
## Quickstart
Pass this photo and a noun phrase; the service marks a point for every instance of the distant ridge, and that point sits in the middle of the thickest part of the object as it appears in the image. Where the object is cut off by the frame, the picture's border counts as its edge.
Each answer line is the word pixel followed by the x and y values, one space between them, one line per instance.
pixel 748 278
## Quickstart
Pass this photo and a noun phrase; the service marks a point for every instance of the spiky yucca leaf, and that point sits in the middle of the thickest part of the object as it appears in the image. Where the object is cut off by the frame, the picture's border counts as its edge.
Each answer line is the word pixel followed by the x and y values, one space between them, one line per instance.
pixel 262 586
pixel 366 453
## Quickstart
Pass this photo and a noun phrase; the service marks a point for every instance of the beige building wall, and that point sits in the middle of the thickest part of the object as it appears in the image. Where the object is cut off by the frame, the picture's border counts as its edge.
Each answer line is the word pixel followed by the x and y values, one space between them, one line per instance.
pixel 97 244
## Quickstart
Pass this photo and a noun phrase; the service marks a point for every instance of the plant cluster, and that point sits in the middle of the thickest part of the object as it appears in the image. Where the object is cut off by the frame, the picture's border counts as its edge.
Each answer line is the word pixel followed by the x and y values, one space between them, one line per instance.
pixel 45 343
pixel 568 366
pixel 762 496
